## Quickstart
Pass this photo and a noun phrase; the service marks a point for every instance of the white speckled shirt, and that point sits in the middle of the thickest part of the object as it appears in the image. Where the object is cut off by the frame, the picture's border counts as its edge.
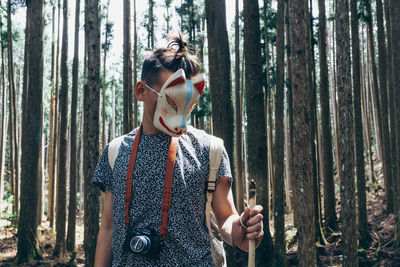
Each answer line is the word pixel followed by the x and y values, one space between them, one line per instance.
pixel 188 242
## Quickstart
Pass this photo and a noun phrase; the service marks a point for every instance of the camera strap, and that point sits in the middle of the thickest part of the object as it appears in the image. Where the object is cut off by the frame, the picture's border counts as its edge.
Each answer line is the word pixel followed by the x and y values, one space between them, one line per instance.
pixel 169 172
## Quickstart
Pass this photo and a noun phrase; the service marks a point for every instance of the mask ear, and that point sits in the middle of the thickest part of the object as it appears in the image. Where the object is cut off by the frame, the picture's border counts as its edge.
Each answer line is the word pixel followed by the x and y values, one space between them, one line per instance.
pixel 176 78
pixel 199 83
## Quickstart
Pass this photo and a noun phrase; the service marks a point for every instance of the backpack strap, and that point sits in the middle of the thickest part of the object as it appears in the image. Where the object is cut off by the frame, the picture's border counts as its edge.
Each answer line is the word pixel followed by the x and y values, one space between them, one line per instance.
pixel 113 148
pixel 216 149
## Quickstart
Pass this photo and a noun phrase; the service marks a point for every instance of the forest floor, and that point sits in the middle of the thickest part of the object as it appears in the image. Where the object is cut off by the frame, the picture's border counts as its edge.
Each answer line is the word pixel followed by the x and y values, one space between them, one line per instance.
pixel 379 253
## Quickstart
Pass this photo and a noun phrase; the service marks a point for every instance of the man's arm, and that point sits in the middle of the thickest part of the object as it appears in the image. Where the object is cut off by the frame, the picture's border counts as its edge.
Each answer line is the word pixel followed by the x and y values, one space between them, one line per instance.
pixel 104 238
pixel 229 220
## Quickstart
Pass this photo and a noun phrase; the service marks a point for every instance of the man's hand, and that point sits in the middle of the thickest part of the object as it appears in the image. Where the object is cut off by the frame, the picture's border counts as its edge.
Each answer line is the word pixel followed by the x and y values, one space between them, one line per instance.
pixel 250 227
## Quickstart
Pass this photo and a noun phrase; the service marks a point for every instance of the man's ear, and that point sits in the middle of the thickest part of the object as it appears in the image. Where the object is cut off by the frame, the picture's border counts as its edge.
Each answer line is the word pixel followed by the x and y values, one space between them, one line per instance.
pixel 139 90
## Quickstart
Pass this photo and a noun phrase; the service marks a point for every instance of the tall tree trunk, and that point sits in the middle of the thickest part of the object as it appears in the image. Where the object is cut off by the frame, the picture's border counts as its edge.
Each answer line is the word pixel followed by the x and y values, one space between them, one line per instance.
pixel 395 34
pixel 220 76
pixel 375 90
pixel 239 179
pixel 279 182
pixel 391 103
pixel 384 104
pixel 70 244
pixel 28 248
pixel 3 135
pixel 13 111
pixel 135 59
pixel 256 145
pixel 366 116
pixel 127 72
pixel 50 195
pixel 346 140
pixel 219 66
pixel 301 132
pixel 91 126
pixel 326 140
pixel 107 32
pixel 289 152
pixel 319 235
pixel 59 249
pixel 364 237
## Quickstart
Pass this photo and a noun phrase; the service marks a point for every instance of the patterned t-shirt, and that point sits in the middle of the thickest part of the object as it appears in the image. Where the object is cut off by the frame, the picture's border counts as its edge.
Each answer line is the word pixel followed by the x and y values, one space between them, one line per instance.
pixel 188 242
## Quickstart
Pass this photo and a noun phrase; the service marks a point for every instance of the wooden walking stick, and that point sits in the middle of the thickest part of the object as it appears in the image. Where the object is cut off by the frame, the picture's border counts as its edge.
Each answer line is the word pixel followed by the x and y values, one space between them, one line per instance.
pixel 252 243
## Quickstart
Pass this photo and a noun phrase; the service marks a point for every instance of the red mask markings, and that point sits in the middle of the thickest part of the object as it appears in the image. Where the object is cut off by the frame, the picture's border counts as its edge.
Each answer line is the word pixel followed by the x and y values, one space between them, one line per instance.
pixel 200 86
pixel 176 81
pixel 168 129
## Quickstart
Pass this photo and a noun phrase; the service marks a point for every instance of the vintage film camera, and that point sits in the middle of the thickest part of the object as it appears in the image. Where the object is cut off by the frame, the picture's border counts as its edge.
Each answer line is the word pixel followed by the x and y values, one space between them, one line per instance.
pixel 145 243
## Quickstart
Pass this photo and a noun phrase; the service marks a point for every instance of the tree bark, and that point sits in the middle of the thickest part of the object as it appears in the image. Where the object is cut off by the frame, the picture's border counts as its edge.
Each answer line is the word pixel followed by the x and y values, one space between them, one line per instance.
pixel 28 249
pixel 364 237
pixel 346 140
pixel 135 59
pixel 301 132
pixel 13 113
pixel 3 136
pixel 326 140
pixel 256 143
pixel 127 71
pixel 239 178
pixel 90 132
pixel 59 249
pixel 70 244
pixel 384 104
pixel 395 34
pixel 279 182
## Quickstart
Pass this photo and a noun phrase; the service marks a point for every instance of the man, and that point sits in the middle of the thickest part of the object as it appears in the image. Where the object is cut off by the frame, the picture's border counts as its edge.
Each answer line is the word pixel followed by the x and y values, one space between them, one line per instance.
pixel 155 192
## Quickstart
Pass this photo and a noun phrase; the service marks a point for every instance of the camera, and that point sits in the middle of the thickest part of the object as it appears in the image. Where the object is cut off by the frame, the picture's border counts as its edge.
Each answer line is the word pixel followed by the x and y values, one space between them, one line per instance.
pixel 145 243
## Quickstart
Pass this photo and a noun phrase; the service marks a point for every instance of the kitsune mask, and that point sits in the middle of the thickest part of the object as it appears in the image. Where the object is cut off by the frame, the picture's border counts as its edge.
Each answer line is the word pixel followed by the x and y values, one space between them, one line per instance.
pixel 177 98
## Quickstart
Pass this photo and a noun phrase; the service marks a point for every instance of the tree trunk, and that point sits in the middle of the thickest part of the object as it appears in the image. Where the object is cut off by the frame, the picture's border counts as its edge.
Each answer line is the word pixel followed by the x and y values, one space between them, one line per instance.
pixel 70 244
pixel 239 178
pixel 256 143
pixel 298 11
pixel 384 104
pixel 326 140
pixel 289 152
pixel 395 34
pixel 91 126
pixel 127 72
pixel 375 93
pixel 28 248
pixel 220 77
pixel 279 182
pixel 319 235
pixel 135 102
pixel 391 103
pixel 13 112
pixel 3 136
pixel 364 237
pixel 59 249
pixel 346 140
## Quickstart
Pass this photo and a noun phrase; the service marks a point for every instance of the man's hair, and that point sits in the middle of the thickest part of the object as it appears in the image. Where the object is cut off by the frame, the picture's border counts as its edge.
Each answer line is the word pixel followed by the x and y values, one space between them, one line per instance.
pixel 172 58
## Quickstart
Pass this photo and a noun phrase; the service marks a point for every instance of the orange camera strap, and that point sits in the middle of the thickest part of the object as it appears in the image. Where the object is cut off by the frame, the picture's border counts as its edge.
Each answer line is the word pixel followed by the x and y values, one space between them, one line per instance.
pixel 169 172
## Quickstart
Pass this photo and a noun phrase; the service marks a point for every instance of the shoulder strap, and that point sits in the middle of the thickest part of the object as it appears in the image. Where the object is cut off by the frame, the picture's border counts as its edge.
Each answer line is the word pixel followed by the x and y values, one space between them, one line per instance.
pixel 216 149
pixel 113 148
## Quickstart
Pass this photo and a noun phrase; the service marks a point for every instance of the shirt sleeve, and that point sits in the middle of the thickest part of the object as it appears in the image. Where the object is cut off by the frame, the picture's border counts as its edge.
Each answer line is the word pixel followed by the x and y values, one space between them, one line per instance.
pixel 225 167
pixel 103 172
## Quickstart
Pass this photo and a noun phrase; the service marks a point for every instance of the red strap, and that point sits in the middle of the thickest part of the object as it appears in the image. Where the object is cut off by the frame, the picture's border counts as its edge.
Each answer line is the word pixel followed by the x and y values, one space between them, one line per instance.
pixel 169 172
pixel 129 176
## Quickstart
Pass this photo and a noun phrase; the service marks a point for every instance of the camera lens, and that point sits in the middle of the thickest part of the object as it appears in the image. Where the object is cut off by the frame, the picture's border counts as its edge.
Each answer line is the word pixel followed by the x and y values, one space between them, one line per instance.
pixel 140 244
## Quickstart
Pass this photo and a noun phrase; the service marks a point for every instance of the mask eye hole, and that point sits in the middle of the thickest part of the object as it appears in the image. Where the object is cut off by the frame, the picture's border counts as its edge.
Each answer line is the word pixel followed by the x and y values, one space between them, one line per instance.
pixel 172 103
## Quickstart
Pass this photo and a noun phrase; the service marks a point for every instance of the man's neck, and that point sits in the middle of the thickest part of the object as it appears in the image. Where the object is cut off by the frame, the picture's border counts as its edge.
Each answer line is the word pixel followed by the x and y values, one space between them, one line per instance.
pixel 148 128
